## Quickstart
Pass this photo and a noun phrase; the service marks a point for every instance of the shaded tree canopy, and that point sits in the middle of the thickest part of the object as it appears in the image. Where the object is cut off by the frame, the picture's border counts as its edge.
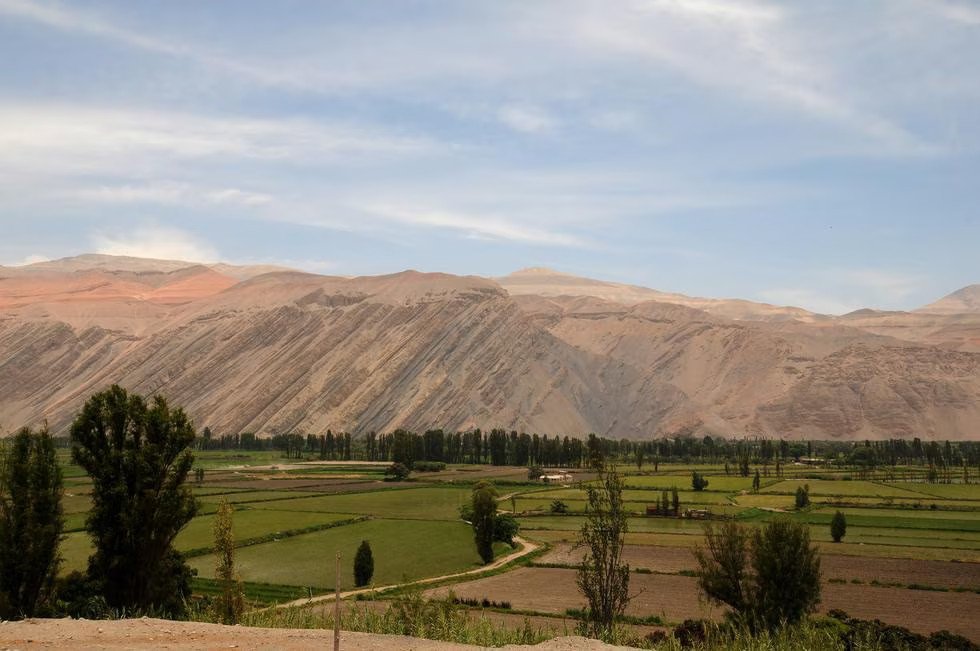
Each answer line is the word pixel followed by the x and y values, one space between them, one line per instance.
pixel 31 522
pixel 768 577
pixel 138 456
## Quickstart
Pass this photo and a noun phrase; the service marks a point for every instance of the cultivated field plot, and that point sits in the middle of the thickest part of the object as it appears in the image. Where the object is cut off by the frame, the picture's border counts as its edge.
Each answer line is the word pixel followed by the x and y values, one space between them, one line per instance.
pixel 253 523
pixel 255 496
pixel 675 598
pixel 924 573
pixel 895 563
pixel 409 549
pixel 420 503
pixel 552 590
pixel 856 488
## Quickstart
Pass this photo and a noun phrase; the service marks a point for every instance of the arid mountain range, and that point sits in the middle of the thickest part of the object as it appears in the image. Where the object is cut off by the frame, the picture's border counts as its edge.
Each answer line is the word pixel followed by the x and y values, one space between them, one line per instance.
pixel 268 350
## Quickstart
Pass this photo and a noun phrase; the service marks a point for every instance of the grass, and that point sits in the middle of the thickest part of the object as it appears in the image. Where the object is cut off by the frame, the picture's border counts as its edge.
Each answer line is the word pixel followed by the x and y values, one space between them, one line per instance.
pixel 252 523
pixel 574 523
pixel 639 496
pixel 831 487
pixel 421 503
pixel 409 549
pixel 256 496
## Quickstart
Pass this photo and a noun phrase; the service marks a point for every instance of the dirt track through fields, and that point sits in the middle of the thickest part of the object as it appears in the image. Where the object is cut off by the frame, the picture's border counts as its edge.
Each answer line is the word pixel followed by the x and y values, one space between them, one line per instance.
pixel 525 549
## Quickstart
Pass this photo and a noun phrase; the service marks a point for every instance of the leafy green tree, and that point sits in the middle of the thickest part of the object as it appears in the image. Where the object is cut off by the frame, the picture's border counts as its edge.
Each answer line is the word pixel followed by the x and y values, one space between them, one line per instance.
pixel 31 522
pixel 664 503
pixel 397 472
pixel 363 564
pixel 603 578
pixel 484 518
pixel 838 526
pixel 138 456
pixel 229 605
pixel 505 527
pixel 803 496
pixel 756 482
pixel 768 578
pixel 675 501
pixel 534 472
pixel 698 481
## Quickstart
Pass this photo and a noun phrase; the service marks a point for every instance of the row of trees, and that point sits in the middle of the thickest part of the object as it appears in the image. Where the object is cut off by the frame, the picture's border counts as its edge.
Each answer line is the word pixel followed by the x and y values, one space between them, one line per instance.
pixel 500 447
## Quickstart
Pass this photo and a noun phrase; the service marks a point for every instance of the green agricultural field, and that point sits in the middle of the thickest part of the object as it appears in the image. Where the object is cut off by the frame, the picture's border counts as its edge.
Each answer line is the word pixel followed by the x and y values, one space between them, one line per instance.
pixel 73 503
pixel 237 497
pixel 402 549
pixel 644 524
pixel 201 491
pixel 639 496
pixel 420 503
pixel 75 550
pixel 944 491
pixel 856 488
pixel 928 514
pixel 721 483
pixel 253 523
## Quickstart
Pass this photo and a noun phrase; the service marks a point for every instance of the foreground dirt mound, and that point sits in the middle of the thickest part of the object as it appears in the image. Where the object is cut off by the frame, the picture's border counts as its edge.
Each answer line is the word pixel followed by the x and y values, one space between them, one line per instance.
pixel 164 634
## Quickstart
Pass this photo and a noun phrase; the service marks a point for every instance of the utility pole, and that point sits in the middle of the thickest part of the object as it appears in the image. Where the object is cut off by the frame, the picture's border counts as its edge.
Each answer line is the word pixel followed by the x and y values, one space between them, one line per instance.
pixel 336 608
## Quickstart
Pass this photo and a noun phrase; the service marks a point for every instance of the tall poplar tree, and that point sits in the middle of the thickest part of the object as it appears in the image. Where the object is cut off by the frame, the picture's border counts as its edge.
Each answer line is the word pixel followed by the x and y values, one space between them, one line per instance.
pixel 138 456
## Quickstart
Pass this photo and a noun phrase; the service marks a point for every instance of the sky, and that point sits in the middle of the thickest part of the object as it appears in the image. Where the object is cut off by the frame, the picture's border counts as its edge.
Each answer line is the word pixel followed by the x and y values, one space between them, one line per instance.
pixel 819 154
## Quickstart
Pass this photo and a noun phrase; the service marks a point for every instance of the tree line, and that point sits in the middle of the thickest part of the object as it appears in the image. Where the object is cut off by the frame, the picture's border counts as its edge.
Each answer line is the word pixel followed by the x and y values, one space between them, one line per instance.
pixel 502 447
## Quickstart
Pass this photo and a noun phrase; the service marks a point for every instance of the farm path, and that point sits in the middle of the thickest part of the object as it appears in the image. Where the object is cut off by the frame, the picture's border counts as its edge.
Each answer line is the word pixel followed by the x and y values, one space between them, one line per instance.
pixel 527 547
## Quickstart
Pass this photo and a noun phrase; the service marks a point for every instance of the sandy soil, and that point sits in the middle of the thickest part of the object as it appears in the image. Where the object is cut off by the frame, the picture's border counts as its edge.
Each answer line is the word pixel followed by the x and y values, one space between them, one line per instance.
pixel 163 634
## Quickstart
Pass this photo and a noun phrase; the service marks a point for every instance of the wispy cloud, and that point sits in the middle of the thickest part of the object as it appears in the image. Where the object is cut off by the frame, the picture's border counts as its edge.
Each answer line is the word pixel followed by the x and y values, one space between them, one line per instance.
pixel 527 119
pixel 58 138
pixel 173 193
pixel 153 241
pixel 742 48
pixel 955 11
pixel 476 225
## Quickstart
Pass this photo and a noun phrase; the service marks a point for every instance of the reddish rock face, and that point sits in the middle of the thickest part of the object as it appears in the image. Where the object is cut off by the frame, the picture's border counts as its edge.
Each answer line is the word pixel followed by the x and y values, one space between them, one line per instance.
pixel 263 349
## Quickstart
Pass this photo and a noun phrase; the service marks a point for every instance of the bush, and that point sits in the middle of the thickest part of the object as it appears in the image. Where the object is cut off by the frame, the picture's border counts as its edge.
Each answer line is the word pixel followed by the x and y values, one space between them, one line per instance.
pixel 397 472
pixel 692 632
pixel 428 466
pixel 803 496
pixel 559 507
pixel 481 603
pixel 698 482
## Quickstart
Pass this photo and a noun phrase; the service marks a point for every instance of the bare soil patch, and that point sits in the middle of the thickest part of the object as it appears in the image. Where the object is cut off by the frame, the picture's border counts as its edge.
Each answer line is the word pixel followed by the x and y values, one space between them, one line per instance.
pixel 675 598
pixel 919 610
pixel 552 590
pixel 163 634
pixel 943 574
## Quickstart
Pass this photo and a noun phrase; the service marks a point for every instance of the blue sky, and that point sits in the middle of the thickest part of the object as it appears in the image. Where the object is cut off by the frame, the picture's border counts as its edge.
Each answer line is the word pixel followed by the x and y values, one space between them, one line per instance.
pixel 824 154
